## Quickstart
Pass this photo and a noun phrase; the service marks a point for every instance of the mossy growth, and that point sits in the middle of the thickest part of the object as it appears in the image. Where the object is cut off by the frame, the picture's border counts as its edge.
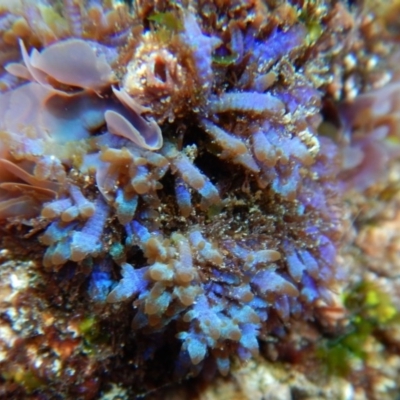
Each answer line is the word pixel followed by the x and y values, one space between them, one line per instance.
pixel 371 310
pixel 25 378
pixel 87 325
pixel 214 210
pixel 225 60
pixel 313 26
pixel 166 26
pixel 90 330
pixel 167 20
pixel 314 31
pixel 368 301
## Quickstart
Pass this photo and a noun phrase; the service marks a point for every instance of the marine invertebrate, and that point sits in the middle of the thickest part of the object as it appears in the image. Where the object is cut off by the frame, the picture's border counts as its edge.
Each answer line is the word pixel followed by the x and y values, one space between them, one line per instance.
pixel 179 170
pixel 223 291
pixel 370 128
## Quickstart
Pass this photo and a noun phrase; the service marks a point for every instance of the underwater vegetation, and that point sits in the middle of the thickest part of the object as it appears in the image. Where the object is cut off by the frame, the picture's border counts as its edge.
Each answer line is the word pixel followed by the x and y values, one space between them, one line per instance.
pixel 370 310
pixel 176 172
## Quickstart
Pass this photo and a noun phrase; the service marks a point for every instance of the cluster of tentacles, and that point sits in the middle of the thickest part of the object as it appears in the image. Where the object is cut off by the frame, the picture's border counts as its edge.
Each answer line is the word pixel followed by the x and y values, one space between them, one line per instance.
pixel 187 174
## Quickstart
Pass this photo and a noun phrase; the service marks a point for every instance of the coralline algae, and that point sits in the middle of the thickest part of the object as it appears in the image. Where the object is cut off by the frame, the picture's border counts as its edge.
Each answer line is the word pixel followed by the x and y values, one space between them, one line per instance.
pixel 169 158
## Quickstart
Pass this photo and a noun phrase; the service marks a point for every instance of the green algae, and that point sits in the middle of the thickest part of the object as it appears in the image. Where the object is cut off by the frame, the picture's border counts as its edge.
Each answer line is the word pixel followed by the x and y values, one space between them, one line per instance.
pixel 371 310
pixel 224 60
pixel 25 378
pixel 313 26
pixel 167 20
pixel 370 303
pixel 314 31
pixel 89 328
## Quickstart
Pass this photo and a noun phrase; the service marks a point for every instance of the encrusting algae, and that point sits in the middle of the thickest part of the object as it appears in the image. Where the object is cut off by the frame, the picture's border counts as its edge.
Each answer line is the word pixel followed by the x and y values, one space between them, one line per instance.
pixel 176 181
